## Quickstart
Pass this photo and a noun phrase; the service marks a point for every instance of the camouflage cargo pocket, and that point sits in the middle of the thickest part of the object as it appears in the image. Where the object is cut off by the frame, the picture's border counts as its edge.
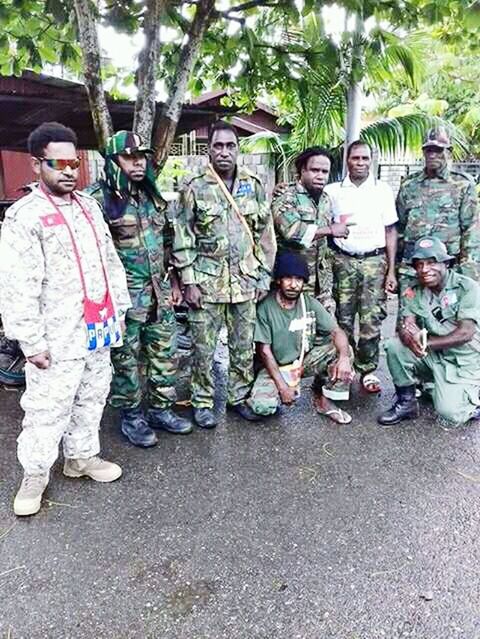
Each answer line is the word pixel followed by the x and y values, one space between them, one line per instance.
pixel 206 268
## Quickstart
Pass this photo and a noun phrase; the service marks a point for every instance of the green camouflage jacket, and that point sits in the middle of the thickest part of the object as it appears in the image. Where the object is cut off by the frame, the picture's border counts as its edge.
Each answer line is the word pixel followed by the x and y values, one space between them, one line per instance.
pixel 445 207
pixel 143 238
pixel 212 248
pixel 297 218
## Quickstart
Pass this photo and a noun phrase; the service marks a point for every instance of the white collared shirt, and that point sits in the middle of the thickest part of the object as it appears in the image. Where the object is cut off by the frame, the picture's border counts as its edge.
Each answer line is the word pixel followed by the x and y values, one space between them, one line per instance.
pixel 370 206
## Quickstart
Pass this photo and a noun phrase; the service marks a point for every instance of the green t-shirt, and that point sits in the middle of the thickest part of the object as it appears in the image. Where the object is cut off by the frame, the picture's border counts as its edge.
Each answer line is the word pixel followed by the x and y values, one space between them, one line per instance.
pixel 282 328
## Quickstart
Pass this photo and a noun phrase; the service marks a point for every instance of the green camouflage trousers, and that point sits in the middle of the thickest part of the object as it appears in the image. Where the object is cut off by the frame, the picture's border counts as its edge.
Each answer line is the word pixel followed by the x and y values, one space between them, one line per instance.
pixel 325 285
pixel 264 397
pixel 358 288
pixel 321 282
pixel 205 325
pixel 151 345
pixel 455 402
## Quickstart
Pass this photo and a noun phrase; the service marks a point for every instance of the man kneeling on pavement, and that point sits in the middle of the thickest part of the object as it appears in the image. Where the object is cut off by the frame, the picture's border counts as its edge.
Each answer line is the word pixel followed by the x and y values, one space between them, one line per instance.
pixel 438 340
pixel 296 337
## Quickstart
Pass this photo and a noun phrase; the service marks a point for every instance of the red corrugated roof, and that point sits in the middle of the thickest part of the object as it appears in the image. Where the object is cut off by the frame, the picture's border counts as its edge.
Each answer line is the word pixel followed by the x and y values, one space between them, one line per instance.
pixel 29 100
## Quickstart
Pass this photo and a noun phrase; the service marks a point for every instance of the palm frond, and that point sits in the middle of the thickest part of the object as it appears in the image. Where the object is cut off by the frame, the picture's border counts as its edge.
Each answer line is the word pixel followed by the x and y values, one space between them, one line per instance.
pixel 319 110
pixel 278 146
pixel 388 54
pixel 471 119
pixel 264 142
pixel 405 134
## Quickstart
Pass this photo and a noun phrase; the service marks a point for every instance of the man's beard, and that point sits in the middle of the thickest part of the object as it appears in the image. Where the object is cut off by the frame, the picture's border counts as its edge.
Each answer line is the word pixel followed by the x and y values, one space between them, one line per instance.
pixel 315 192
pixel 290 295
pixel 436 167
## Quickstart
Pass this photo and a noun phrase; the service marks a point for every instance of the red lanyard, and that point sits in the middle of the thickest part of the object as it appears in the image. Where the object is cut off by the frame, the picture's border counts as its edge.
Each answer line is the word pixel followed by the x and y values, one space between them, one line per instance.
pixel 87 216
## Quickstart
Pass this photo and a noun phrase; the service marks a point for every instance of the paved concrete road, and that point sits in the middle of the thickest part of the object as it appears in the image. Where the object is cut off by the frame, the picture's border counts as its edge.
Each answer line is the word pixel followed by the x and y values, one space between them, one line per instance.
pixel 295 528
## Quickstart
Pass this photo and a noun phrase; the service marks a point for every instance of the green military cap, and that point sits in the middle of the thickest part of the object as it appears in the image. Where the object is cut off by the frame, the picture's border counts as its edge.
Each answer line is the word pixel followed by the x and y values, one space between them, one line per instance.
pixel 428 247
pixel 125 143
pixel 437 137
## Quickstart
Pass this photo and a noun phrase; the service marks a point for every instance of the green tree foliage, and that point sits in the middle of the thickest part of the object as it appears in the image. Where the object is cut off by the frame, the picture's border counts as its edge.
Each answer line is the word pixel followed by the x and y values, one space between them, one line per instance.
pixel 257 47
pixel 35 33
pixel 319 68
pixel 393 47
pixel 450 87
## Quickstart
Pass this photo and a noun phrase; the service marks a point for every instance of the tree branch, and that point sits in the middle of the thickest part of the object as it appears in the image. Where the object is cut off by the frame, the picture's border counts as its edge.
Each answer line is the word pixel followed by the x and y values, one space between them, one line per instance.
pixel 88 40
pixel 249 5
pixel 144 115
pixel 227 13
pixel 44 30
pixel 171 112
pixel 227 16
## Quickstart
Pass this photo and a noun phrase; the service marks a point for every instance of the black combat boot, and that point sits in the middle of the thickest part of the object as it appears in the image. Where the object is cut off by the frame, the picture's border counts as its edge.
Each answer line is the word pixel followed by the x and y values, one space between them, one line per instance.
pixel 245 411
pixel 166 419
pixel 476 415
pixel 405 407
pixel 134 426
pixel 204 417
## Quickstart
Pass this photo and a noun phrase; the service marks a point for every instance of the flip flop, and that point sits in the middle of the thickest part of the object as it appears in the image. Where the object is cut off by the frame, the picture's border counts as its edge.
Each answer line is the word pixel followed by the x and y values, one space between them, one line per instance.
pixel 371 383
pixel 337 415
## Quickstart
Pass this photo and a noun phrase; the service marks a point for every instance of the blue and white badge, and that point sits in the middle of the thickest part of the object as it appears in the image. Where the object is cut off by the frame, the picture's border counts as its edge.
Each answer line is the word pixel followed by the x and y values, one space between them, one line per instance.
pixel 245 188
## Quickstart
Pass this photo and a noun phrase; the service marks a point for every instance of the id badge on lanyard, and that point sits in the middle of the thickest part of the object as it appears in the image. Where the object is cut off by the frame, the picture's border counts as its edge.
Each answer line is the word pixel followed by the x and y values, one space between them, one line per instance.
pixel 102 325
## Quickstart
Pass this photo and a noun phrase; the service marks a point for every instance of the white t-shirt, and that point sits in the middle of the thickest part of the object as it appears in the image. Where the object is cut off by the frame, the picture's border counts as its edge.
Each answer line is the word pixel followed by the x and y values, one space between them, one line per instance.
pixel 370 206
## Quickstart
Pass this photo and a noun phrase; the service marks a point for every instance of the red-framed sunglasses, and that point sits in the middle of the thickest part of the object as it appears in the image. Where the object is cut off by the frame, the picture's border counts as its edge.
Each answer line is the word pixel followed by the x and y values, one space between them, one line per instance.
pixel 61 165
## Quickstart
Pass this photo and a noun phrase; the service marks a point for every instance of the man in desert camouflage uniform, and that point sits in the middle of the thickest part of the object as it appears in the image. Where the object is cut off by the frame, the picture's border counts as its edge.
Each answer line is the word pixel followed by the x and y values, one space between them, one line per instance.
pixel 55 252
pixel 364 261
pixel 302 213
pixel 224 250
pixel 440 203
pixel 141 229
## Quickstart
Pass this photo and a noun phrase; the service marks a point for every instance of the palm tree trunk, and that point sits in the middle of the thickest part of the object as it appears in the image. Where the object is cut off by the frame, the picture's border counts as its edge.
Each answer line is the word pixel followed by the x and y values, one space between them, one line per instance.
pixel 352 118
pixel 354 90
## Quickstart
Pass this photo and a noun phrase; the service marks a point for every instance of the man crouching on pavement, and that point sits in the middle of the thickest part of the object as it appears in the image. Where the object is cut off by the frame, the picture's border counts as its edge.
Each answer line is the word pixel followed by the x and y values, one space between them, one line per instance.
pixel 438 340
pixel 63 293
pixel 290 333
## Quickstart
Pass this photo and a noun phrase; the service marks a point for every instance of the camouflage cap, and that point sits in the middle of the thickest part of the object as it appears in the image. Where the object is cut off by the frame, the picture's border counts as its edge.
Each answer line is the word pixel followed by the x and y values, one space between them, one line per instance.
pixel 428 247
pixel 125 143
pixel 437 137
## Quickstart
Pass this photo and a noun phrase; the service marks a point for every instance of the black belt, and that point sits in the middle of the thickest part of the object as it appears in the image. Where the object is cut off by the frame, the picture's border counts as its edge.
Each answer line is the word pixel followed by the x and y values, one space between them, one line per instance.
pixel 359 256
